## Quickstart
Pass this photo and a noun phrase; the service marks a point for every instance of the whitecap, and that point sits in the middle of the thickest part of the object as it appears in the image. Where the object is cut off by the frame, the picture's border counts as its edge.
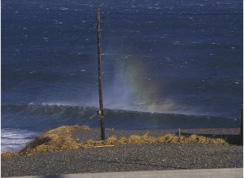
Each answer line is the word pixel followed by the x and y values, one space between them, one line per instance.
pixel 15 139
pixel 63 8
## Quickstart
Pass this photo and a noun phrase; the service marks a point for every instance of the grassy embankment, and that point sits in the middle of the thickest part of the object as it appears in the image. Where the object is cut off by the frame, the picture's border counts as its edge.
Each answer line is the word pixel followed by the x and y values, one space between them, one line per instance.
pixel 60 139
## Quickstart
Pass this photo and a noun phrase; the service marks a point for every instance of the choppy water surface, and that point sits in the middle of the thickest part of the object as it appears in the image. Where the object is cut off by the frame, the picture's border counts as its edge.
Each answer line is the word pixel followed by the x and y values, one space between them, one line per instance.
pixel 165 65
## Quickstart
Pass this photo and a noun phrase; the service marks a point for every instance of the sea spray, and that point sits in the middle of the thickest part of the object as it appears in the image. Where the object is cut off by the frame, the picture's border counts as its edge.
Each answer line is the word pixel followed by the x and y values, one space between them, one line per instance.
pixel 129 87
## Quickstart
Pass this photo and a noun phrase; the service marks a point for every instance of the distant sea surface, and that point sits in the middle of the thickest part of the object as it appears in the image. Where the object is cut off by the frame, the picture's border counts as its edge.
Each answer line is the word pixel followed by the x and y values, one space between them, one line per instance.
pixel 165 65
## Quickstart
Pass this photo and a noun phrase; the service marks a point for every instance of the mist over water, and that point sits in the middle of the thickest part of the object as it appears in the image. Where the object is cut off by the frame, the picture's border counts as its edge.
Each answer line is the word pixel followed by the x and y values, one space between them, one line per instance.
pixel 130 88
pixel 130 85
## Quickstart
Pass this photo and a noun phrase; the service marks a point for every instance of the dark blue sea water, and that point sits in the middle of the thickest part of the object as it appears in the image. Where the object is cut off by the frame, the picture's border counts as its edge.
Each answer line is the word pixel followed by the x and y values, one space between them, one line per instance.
pixel 166 65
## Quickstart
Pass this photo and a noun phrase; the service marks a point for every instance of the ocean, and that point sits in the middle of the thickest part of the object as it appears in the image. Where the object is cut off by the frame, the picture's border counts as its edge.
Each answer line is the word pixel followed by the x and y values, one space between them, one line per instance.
pixel 165 65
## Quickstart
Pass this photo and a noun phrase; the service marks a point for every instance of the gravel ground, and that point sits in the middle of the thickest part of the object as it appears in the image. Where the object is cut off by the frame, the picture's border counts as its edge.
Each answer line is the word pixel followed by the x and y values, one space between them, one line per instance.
pixel 129 157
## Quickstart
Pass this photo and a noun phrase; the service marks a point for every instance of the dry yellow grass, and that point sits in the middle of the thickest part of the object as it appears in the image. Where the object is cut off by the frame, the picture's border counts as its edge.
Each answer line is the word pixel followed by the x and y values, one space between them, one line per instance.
pixel 135 139
pixel 60 139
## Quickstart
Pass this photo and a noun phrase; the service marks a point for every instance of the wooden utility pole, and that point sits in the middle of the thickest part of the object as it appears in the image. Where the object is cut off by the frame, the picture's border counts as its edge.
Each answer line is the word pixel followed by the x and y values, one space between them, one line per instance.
pixel 241 126
pixel 100 111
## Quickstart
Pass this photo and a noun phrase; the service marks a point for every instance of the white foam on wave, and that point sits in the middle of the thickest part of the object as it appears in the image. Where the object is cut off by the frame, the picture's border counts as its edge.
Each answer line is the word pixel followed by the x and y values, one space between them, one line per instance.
pixel 56 104
pixel 15 139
